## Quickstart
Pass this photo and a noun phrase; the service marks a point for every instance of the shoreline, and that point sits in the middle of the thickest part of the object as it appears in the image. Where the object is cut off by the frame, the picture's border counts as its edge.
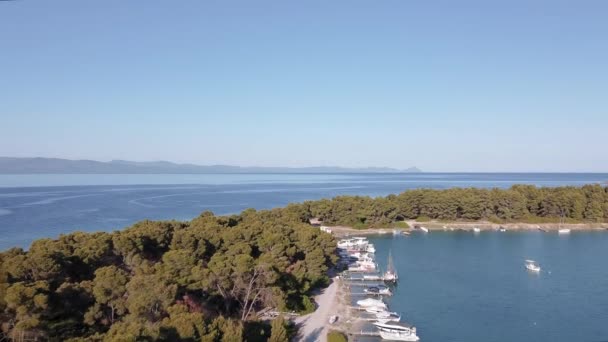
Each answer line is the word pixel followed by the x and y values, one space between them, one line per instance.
pixel 469 226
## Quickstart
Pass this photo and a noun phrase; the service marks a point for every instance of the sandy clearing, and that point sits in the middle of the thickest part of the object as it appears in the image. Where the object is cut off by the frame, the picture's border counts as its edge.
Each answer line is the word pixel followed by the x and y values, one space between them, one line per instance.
pixel 314 326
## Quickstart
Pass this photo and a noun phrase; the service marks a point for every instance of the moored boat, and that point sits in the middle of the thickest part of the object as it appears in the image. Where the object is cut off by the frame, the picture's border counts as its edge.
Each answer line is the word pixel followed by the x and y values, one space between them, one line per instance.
pixel 532 265
pixel 387 316
pixel 397 331
pixel 370 302
pixel 390 275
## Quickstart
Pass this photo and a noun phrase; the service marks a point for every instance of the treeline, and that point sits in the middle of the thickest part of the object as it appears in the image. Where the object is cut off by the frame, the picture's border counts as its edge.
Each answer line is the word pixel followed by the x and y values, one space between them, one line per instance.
pixel 521 203
pixel 190 281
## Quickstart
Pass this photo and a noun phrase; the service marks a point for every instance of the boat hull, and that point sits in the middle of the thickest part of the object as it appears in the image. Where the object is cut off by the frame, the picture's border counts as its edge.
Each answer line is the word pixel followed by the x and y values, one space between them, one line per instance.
pixel 399 336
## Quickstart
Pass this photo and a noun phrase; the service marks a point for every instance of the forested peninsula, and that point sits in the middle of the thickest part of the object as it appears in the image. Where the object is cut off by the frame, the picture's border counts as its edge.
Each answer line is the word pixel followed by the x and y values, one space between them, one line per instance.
pixel 205 279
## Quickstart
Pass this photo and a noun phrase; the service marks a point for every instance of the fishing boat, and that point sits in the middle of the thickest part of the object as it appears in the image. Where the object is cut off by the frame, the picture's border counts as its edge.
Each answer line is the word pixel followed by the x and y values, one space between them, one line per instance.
pixel 370 302
pixel 397 331
pixel 390 275
pixel 532 266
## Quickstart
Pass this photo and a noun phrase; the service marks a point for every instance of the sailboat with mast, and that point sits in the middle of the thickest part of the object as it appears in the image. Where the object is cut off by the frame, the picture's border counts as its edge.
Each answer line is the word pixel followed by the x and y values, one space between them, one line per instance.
pixel 390 276
pixel 561 230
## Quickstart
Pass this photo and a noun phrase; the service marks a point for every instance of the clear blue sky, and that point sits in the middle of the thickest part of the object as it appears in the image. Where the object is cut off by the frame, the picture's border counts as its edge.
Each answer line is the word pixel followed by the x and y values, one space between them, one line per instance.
pixel 443 85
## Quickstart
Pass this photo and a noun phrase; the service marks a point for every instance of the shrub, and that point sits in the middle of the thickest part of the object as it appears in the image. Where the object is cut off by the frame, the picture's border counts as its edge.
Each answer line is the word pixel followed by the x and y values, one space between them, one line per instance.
pixel 402 224
pixel 336 336
pixel 308 305
pixel 423 219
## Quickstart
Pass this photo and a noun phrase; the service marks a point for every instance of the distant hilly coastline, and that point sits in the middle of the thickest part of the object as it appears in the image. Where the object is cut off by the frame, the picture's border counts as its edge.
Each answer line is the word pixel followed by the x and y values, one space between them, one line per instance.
pixel 11 165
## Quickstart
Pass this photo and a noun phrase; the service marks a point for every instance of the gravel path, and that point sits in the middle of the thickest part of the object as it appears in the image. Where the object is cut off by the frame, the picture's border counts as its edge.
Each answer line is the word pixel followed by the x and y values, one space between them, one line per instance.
pixel 314 326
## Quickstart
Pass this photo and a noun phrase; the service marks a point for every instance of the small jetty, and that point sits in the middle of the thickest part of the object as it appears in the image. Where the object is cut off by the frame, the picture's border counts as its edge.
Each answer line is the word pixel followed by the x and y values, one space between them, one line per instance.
pixel 368 314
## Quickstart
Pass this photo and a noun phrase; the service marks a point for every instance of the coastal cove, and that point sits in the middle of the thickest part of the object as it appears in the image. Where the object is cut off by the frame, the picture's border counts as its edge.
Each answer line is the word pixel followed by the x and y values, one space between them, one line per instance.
pixel 460 286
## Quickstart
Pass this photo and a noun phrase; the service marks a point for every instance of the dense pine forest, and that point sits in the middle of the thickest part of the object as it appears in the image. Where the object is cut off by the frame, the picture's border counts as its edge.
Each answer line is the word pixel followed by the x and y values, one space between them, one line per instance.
pixel 520 203
pixel 189 281
pixel 204 280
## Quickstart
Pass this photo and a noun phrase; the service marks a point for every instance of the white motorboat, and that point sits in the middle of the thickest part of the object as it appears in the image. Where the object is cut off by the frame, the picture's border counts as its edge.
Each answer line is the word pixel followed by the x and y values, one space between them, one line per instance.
pixel 359 255
pixel 476 230
pixel 532 265
pixel 361 268
pixel 372 277
pixel 371 290
pixel 374 309
pixel 370 302
pixel 564 231
pixel 360 241
pixel 370 248
pixel 345 243
pixel 378 290
pixel 387 316
pixel 385 290
pixel 424 229
pixel 397 331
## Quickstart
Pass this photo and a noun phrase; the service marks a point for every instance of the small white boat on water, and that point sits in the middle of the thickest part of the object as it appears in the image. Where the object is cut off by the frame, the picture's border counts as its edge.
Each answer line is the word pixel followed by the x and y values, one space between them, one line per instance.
pixel 564 231
pixel 397 331
pixel 532 266
pixel 424 229
pixel 370 302
pixel 476 230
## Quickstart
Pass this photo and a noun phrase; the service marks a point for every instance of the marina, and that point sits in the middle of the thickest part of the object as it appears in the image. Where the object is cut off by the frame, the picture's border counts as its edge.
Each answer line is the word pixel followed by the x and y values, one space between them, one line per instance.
pixel 368 289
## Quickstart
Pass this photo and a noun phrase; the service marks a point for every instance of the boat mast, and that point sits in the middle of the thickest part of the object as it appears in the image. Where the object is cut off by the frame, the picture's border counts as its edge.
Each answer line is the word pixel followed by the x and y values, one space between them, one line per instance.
pixel 390 267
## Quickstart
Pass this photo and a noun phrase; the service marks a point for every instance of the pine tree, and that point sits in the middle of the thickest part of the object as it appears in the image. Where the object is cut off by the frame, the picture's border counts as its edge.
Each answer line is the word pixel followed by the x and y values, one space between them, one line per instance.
pixel 278 331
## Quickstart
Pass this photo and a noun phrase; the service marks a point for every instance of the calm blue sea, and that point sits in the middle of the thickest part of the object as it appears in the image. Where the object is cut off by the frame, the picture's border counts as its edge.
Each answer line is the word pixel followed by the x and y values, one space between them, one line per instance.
pixel 37 206
pixel 462 287
pixel 454 286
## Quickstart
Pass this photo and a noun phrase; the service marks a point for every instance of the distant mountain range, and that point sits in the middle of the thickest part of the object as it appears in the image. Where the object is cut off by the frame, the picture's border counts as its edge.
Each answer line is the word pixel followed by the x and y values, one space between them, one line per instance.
pixel 10 165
